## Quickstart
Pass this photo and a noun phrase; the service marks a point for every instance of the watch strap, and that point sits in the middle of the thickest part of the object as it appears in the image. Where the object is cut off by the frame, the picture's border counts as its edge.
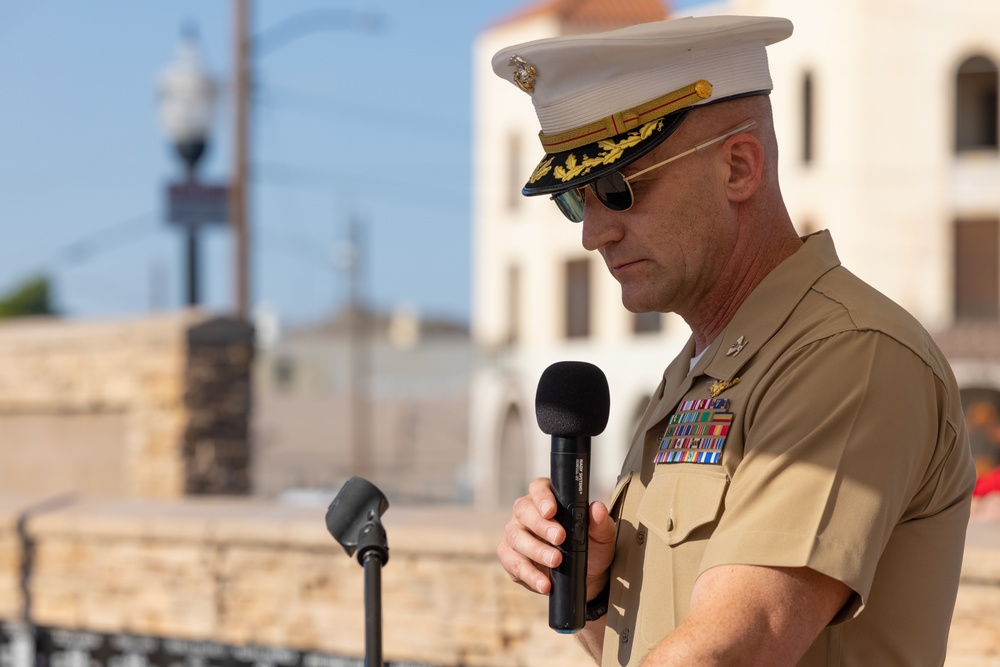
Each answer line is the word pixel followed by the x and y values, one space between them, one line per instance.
pixel 598 607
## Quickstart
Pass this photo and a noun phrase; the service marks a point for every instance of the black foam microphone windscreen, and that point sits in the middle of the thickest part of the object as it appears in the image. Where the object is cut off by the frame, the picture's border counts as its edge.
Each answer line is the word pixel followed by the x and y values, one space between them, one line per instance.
pixel 572 400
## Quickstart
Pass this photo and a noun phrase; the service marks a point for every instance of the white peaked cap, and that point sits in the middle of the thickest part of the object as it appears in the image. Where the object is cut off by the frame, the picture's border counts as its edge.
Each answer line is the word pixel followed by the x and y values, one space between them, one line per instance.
pixel 589 88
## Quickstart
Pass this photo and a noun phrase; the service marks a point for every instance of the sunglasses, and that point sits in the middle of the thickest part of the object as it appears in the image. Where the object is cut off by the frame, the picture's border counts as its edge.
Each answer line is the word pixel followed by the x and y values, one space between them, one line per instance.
pixel 613 190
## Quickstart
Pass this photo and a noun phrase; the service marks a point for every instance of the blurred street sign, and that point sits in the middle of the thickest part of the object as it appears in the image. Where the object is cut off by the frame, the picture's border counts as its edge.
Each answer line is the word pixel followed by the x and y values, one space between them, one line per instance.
pixel 191 204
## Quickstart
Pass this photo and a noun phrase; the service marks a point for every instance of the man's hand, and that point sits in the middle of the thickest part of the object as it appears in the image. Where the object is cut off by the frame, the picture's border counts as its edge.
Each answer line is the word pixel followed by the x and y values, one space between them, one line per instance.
pixel 528 551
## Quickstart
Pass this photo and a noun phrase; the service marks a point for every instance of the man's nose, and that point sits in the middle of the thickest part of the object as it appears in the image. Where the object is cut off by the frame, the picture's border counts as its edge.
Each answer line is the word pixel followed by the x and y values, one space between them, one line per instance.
pixel 601 225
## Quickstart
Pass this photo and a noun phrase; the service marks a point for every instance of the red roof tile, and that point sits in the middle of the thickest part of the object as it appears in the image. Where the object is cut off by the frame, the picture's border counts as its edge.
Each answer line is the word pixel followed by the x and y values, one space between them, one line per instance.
pixel 594 14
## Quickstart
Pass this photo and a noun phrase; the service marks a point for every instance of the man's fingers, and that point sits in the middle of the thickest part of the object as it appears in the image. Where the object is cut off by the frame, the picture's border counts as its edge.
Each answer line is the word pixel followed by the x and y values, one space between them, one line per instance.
pixel 527 552
pixel 522 570
pixel 541 494
pixel 537 510
pixel 527 544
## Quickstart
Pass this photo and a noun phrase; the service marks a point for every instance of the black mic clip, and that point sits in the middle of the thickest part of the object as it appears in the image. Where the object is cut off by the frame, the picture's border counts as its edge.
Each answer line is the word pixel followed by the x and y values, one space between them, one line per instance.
pixel 353 519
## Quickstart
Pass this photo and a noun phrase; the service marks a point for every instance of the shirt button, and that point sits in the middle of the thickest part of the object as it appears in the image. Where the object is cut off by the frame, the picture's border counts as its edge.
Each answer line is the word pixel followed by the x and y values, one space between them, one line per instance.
pixel 625 636
pixel 640 536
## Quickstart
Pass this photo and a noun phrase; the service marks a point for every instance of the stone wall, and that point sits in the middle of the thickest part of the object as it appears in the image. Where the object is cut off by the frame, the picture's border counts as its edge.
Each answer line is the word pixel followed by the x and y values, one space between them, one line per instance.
pixel 975 627
pixel 154 408
pixel 252 572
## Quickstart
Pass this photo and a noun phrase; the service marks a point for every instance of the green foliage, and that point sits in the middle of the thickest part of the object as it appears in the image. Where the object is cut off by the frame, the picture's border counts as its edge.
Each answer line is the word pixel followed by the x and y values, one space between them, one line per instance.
pixel 29 298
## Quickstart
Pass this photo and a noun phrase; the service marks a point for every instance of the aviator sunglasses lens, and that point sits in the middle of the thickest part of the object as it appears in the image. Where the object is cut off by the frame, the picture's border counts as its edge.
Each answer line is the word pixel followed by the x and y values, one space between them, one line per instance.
pixel 613 191
pixel 570 203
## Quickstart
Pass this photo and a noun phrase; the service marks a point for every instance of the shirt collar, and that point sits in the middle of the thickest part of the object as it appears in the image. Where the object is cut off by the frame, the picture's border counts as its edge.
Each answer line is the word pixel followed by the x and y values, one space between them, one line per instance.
pixel 768 306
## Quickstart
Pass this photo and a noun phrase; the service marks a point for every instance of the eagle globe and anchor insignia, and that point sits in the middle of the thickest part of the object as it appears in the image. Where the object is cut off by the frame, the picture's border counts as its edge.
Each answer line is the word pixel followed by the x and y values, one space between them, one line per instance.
pixel 525 75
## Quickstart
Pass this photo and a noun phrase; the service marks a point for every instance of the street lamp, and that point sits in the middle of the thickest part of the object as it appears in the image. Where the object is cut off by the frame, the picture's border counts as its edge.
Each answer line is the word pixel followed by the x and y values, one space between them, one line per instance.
pixel 187 108
pixel 187 102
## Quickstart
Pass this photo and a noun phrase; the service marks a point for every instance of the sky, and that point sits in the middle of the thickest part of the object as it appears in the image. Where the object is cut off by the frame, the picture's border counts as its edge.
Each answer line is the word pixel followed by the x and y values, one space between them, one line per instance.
pixel 348 123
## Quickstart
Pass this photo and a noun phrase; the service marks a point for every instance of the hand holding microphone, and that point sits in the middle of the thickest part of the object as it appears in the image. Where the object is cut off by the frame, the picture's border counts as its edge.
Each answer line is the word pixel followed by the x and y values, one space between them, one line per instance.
pixel 573 399
pixel 572 405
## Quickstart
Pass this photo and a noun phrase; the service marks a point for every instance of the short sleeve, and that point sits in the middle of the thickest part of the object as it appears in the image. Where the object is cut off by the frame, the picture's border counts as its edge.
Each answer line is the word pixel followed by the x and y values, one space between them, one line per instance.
pixel 837 440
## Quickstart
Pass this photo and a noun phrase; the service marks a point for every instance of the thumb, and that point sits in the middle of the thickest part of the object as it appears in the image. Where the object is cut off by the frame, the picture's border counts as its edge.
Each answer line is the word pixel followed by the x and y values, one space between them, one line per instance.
pixel 601 547
pixel 602 526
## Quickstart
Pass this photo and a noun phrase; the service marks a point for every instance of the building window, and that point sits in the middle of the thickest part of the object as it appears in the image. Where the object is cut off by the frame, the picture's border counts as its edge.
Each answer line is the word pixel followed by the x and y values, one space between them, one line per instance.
pixel 647 323
pixel 977 269
pixel 578 298
pixel 808 118
pixel 976 105
pixel 515 179
pixel 513 305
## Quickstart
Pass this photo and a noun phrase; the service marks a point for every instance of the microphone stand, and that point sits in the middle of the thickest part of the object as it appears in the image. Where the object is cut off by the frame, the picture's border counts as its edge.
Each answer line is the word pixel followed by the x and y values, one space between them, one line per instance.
pixel 353 520
pixel 373 553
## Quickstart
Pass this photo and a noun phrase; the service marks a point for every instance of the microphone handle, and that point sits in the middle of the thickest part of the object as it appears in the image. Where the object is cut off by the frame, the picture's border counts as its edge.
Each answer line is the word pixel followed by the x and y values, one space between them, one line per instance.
pixel 570 467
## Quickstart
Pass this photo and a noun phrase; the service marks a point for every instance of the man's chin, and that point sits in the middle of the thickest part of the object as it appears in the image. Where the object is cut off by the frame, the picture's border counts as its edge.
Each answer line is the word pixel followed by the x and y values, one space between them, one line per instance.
pixel 637 305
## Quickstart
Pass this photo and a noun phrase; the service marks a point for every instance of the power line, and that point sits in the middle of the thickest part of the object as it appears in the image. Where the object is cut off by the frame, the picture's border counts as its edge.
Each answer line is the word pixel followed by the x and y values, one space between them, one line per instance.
pixel 97 241
pixel 443 197
pixel 106 238
pixel 327 106
pixel 300 247
pixel 314 20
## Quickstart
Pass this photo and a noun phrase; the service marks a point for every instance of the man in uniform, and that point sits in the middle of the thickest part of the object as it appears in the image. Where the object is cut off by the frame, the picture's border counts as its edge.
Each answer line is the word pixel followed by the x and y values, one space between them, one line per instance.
pixel 799 486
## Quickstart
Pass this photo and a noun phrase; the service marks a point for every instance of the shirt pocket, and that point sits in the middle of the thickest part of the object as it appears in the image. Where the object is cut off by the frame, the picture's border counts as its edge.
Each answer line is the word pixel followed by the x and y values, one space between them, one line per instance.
pixel 679 511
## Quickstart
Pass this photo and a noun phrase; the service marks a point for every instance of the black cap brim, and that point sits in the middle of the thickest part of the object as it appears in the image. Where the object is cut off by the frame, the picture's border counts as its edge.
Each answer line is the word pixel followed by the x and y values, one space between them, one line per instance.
pixel 558 172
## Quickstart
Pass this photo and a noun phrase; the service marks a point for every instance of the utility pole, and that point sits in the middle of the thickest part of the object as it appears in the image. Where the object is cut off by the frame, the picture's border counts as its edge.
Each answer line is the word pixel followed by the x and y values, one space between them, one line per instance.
pixel 245 50
pixel 241 149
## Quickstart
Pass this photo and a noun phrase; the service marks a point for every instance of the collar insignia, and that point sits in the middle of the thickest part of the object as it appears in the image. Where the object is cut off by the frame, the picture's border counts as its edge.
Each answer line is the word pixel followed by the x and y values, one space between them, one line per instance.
pixel 736 347
pixel 720 386
pixel 524 74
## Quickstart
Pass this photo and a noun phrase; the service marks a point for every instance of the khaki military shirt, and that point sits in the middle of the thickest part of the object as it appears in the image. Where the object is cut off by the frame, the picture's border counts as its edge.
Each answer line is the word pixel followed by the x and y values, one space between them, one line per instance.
pixel 823 429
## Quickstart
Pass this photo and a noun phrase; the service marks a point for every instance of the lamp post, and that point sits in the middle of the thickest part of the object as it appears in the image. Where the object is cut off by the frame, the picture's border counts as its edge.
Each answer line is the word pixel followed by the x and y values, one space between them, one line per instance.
pixel 187 107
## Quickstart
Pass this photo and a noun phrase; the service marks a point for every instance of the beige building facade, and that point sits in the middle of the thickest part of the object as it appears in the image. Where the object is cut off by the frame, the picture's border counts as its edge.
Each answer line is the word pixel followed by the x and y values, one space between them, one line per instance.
pixel 887 119
pixel 386 400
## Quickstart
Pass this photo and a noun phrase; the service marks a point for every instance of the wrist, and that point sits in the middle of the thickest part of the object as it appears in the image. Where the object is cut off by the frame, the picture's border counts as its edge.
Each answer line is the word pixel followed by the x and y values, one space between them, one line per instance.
pixel 597 584
pixel 597 606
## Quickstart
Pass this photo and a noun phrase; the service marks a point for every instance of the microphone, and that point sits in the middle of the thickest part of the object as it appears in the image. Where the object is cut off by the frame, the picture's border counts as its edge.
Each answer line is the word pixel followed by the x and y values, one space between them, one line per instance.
pixel 571 404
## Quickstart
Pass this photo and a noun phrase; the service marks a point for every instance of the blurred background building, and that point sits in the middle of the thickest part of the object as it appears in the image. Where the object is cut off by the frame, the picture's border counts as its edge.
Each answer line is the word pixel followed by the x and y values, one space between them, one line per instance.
pixel 888 137
pixel 887 115
pixel 384 397
pixel 887 120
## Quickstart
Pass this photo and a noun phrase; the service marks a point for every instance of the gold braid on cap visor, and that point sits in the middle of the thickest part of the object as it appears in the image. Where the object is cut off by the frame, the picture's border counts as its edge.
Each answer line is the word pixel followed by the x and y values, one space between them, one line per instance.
pixel 629 119
pixel 647 117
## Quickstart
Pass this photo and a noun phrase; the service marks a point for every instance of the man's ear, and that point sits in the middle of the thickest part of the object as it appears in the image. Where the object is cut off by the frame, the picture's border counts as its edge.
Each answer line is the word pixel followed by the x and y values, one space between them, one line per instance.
pixel 745 159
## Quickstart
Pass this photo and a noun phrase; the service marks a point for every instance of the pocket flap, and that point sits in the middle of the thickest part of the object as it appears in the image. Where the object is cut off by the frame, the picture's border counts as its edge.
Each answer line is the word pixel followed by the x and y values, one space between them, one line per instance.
pixel 674 504
pixel 614 507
